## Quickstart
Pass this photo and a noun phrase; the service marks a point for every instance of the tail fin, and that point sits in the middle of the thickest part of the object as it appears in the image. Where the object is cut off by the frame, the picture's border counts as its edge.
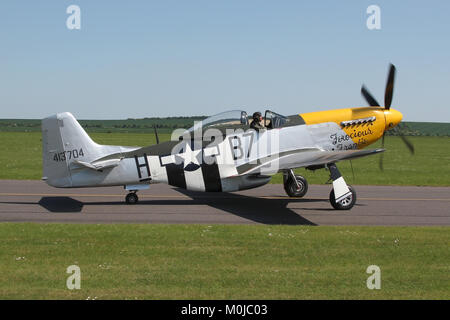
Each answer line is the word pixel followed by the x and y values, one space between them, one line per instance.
pixel 64 141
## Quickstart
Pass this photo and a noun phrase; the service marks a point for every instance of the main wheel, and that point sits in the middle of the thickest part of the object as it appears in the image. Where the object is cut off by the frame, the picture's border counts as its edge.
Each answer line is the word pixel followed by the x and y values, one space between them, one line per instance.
pixel 346 203
pixel 131 198
pixel 292 189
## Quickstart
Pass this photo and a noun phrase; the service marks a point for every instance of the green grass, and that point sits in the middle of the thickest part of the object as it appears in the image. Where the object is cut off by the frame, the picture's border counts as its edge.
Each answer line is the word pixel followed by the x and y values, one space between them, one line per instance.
pixel 21 159
pixel 222 262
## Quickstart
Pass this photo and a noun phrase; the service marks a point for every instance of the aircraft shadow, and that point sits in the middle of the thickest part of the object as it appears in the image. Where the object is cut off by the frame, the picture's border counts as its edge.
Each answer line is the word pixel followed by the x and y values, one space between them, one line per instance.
pixel 55 204
pixel 261 210
pixel 61 204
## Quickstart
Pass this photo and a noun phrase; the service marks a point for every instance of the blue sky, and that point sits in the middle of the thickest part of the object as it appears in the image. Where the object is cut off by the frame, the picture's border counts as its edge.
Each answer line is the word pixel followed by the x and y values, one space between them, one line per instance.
pixel 135 59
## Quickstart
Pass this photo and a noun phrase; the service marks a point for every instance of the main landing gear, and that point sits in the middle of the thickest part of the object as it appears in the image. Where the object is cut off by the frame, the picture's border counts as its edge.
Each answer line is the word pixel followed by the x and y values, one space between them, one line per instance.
pixel 346 203
pixel 342 196
pixel 294 185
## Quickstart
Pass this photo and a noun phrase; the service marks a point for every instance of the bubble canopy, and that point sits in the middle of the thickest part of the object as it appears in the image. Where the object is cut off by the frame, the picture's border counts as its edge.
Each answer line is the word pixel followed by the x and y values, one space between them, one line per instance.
pixel 239 118
pixel 227 118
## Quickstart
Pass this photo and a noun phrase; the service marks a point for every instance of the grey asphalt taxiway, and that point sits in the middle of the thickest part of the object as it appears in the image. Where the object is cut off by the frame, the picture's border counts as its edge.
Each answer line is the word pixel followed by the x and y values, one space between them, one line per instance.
pixel 35 201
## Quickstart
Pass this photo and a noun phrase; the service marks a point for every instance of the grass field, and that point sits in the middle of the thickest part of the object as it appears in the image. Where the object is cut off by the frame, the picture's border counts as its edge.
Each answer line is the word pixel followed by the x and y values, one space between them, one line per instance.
pixel 21 159
pixel 222 262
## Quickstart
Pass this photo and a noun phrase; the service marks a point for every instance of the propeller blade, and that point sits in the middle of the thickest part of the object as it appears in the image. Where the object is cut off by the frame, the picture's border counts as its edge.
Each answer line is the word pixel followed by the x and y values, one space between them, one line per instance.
pixel 382 154
pixel 408 144
pixel 389 87
pixel 156 134
pixel 369 98
pixel 400 132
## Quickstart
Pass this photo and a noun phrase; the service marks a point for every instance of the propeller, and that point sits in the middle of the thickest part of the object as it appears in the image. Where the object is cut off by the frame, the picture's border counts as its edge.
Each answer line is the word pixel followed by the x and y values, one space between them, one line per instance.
pixel 388 94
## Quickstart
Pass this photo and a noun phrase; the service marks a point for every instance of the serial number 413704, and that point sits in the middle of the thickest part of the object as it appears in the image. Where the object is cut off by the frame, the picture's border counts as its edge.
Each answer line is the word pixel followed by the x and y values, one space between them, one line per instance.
pixel 69 154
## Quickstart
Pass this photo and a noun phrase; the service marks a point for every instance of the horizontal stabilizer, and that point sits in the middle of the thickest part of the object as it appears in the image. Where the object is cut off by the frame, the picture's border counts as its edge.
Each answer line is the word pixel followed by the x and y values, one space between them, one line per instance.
pixel 100 165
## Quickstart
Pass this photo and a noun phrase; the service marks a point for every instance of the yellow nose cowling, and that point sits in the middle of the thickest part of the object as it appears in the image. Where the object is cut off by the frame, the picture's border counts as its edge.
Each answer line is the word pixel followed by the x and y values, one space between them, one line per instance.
pixel 392 118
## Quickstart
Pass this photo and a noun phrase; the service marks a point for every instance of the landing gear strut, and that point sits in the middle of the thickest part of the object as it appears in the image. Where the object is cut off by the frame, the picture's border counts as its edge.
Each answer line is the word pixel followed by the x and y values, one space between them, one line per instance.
pixel 132 198
pixel 294 185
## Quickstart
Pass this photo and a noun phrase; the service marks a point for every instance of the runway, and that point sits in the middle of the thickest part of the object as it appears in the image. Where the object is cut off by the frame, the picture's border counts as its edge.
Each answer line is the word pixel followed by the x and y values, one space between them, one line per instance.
pixel 35 201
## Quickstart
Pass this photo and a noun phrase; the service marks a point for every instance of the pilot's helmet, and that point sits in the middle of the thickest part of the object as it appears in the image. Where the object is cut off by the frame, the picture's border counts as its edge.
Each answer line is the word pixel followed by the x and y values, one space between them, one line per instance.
pixel 257 116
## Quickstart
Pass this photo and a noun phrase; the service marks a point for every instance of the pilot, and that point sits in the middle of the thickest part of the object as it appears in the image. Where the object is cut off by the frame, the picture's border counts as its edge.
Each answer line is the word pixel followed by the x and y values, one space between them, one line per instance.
pixel 257 121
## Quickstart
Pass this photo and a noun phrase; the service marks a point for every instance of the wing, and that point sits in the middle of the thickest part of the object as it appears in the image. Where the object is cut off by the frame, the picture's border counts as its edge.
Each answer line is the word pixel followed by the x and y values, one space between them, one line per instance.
pixel 301 158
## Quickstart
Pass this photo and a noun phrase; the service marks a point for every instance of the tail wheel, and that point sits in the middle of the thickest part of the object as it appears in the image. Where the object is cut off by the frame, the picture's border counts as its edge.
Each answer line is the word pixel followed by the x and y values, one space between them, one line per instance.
pixel 131 198
pixel 298 189
pixel 346 203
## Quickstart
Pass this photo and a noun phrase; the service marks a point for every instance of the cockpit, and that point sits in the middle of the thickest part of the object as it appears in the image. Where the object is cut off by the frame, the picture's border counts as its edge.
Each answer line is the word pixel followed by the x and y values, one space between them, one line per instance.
pixel 239 119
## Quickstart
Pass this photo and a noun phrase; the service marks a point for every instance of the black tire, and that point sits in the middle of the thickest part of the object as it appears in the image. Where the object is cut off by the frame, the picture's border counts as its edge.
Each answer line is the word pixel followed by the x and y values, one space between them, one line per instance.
pixel 131 198
pixel 345 204
pixel 291 187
